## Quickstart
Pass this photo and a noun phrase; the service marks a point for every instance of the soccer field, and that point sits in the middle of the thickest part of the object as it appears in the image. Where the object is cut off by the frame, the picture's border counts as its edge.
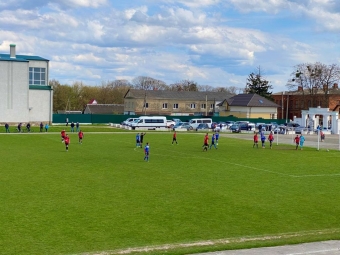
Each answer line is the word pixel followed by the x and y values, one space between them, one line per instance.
pixel 102 197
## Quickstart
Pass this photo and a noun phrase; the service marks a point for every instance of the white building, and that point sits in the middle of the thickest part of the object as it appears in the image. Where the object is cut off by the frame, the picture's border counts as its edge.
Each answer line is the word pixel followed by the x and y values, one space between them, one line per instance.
pixel 25 93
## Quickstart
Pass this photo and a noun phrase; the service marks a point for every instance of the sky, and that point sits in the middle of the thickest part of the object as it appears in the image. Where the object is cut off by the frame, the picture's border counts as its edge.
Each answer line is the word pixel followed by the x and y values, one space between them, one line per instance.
pixel 212 42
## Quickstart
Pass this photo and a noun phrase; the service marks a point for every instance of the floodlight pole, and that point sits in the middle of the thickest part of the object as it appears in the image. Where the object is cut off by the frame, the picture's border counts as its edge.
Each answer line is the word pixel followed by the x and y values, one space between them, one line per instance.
pixel 277 137
pixel 318 139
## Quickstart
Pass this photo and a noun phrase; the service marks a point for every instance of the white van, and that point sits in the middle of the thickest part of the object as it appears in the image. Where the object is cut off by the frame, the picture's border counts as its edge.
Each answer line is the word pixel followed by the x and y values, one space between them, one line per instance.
pixel 195 122
pixel 149 123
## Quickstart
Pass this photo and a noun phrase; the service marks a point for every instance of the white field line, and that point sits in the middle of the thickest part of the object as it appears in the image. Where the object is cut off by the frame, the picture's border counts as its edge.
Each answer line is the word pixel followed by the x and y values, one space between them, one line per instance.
pixel 245 166
pixel 167 247
pixel 314 252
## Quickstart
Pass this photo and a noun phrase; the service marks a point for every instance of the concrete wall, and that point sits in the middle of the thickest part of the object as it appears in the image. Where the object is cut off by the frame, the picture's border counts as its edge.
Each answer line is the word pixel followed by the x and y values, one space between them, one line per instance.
pixel 40 105
pixel 14 91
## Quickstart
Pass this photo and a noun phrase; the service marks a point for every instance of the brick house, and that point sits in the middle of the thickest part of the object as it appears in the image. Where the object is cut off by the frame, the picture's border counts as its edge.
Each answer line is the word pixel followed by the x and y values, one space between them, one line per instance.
pixel 291 103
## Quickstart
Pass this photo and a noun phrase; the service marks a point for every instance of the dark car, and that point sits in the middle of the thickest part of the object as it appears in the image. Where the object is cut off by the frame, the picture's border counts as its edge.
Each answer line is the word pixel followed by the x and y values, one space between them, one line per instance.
pixel 246 126
pixel 202 126
pixel 235 128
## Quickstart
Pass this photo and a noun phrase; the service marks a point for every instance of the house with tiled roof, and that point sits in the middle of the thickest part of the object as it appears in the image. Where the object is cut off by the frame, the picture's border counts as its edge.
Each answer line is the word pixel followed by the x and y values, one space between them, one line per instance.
pixel 167 102
pixel 25 93
pixel 248 106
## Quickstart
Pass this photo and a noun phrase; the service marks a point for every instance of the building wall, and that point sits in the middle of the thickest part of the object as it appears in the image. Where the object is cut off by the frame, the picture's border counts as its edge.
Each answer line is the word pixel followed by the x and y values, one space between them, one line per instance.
pixel 155 106
pixel 298 102
pixel 251 112
pixel 40 105
pixel 14 91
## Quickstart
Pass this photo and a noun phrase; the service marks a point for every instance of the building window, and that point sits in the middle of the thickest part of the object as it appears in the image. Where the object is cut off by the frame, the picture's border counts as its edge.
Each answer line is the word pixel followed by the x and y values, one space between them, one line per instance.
pixel 192 106
pixel 297 104
pixel 203 106
pixel 211 106
pixel 146 105
pixel 175 106
pixel 165 106
pixel 37 76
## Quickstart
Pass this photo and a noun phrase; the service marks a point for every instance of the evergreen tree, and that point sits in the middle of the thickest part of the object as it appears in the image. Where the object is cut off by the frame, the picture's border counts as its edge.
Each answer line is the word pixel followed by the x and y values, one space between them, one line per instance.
pixel 257 85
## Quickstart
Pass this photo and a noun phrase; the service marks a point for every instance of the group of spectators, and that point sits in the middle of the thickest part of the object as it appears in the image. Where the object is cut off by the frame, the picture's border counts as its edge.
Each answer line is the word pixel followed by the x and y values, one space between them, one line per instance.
pixel 20 129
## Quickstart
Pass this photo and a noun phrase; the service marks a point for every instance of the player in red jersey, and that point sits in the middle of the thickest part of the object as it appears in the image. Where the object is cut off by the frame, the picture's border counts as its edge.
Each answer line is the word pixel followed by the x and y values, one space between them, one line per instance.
pixel 297 141
pixel 67 141
pixel 271 139
pixel 256 140
pixel 206 143
pixel 174 138
pixel 80 136
pixel 62 134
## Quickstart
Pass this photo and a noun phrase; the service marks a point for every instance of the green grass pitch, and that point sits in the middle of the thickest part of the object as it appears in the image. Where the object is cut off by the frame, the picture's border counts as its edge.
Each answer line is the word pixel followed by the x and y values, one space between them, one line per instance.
pixel 101 195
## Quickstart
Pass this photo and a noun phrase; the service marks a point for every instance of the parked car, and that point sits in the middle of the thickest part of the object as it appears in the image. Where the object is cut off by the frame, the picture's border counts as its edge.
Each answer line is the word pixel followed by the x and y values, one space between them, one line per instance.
pixel 301 130
pixel 235 128
pixel 281 130
pixel 229 123
pixel 202 126
pixel 181 126
pixel 170 123
pixel 128 121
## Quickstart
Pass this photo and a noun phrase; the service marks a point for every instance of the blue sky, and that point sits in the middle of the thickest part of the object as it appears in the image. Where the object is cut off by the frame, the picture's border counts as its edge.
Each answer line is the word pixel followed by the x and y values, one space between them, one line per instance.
pixel 213 42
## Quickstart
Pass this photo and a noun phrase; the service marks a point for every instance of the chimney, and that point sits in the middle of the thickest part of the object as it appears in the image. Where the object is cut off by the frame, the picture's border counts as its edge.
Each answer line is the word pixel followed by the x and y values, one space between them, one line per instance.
pixel 299 88
pixel 12 50
pixel 325 87
pixel 335 86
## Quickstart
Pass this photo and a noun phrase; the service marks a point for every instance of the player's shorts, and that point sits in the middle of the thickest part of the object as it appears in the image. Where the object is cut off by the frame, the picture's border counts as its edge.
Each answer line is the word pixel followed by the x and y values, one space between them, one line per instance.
pixel 146 153
pixel 66 143
pixel 205 144
pixel 256 141
pixel 174 139
pixel 137 141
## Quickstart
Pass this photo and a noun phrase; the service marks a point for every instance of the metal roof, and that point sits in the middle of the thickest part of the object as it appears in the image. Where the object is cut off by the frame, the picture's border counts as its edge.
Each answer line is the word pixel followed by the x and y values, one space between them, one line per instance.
pixel 21 58
pixel 250 100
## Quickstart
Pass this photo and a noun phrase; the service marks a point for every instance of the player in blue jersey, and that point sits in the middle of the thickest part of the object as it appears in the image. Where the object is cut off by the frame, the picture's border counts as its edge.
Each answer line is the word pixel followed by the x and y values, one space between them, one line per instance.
pixel 213 138
pixel 146 152
pixel 263 139
pixel 217 135
pixel 302 140
pixel 137 140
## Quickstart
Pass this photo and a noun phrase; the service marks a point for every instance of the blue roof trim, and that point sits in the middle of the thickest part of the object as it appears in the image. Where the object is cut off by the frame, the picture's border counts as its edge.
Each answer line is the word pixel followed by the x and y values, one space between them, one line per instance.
pixel 6 57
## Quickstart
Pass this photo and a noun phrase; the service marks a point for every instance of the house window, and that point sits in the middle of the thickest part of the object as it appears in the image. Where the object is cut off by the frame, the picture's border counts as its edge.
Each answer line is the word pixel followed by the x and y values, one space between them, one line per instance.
pixel 37 76
pixel 203 106
pixel 192 106
pixel 212 106
pixel 165 106
pixel 146 105
pixel 175 106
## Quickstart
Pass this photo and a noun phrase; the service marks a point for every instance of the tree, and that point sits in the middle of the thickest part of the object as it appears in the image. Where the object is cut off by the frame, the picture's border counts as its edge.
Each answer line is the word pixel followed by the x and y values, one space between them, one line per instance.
pixel 313 80
pixel 257 85
pixel 148 83
pixel 184 85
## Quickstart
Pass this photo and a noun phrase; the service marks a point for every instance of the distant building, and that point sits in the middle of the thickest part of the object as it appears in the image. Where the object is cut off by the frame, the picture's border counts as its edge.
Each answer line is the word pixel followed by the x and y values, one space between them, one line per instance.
pixel 291 103
pixel 167 102
pixel 25 93
pixel 248 106
pixel 104 109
